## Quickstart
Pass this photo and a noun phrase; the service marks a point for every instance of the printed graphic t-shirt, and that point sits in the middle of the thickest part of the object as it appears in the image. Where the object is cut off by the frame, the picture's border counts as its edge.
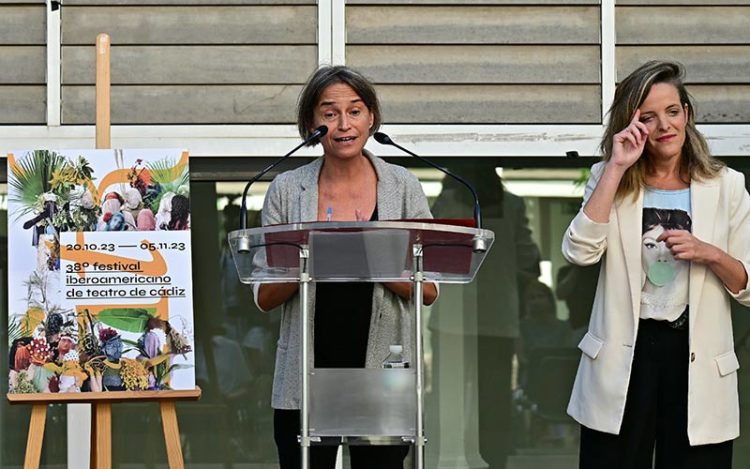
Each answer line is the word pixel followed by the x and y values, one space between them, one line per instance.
pixel 664 294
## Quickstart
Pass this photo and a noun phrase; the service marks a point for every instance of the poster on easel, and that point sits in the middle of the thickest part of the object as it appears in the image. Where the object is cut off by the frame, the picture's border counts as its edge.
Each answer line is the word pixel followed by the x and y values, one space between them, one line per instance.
pixel 99 271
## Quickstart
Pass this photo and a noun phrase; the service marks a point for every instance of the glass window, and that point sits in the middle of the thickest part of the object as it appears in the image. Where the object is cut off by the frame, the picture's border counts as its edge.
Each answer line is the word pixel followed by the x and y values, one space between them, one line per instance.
pixel 500 353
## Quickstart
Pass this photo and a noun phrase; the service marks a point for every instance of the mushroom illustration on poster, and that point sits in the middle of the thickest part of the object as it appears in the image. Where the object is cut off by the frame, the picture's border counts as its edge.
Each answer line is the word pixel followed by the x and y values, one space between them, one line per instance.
pixel 99 271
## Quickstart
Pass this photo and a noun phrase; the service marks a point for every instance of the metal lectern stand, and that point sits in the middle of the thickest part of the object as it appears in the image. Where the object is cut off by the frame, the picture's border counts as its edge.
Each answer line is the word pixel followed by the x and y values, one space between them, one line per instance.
pixel 353 405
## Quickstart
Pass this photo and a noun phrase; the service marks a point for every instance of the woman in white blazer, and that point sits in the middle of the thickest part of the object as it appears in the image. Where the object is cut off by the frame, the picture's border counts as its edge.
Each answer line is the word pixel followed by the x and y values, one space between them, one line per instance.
pixel 657 381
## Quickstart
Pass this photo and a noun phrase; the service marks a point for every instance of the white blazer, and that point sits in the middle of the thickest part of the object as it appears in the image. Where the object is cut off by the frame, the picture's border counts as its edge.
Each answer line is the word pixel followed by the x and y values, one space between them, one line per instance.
pixel 720 216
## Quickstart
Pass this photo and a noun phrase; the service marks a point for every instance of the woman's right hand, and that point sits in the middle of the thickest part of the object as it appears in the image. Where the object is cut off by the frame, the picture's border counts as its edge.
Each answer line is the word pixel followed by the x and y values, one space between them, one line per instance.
pixel 628 144
pixel 627 147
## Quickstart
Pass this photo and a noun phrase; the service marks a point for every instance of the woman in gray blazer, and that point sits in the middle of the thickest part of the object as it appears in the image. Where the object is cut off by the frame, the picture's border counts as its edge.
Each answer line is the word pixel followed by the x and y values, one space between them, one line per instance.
pixel 657 381
pixel 354 323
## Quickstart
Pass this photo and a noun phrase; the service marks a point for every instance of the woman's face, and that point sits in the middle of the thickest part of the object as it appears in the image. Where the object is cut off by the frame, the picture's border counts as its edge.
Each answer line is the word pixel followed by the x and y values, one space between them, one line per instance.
pixel 111 206
pixel 666 118
pixel 64 346
pixel 348 120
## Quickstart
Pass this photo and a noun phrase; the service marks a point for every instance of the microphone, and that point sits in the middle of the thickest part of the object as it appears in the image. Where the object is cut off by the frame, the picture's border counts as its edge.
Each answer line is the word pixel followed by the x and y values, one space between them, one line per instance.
pixel 317 133
pixel 384 139
pixel 479 244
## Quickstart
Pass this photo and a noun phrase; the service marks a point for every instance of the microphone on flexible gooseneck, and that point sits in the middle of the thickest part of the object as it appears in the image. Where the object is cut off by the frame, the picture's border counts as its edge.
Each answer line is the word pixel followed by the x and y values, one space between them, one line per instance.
pixel 479 245
pixel 317 133
pixel 384 139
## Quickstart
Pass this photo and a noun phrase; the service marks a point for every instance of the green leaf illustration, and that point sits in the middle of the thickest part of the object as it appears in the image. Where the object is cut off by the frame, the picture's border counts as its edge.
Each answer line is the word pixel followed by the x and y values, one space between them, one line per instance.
pixel 126 319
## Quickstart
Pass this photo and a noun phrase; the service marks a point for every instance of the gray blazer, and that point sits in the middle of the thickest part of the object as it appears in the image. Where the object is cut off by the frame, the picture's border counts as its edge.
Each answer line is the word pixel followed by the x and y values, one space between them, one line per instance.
pixel 293 197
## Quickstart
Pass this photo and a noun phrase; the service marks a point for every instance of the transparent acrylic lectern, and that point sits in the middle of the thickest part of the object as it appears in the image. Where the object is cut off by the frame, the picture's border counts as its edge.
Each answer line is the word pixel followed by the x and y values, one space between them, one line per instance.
pixel 361 405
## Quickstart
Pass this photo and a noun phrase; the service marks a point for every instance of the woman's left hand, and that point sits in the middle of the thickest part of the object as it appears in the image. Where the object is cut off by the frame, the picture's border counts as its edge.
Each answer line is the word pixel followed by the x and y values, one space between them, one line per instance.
pixel 684 246
pixel 359 216
pixel 405 291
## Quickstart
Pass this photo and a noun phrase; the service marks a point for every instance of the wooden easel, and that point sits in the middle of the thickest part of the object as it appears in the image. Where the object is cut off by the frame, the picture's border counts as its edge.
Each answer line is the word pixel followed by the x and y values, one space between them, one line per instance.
pixel 101 415
pixel 101 421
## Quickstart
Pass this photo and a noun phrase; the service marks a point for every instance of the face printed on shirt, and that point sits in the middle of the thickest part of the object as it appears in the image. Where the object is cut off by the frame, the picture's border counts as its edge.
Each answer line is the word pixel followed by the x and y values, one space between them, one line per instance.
pixel 659 265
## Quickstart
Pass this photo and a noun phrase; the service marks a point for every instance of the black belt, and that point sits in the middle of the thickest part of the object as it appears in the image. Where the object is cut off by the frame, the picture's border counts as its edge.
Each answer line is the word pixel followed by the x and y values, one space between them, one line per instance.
pixel 681 323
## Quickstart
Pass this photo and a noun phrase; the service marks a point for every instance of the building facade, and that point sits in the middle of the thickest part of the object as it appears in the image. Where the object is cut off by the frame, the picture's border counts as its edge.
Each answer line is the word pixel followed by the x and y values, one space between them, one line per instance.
pixel 512 84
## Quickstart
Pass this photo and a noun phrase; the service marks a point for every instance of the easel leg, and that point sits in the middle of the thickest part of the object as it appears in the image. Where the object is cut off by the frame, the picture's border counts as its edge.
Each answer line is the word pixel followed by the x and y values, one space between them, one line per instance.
pixel 92 443
pixel 36 436
pixel 101 430
pixel 171 434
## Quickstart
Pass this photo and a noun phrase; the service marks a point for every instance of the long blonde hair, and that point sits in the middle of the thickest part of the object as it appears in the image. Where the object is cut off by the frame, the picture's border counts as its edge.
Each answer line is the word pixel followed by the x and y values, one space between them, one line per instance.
pixel 696 160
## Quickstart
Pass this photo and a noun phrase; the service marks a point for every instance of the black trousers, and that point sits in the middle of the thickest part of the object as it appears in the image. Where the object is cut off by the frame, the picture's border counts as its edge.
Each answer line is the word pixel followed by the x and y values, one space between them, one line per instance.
pixel 286 428
pixel 494 362
pixel 654 427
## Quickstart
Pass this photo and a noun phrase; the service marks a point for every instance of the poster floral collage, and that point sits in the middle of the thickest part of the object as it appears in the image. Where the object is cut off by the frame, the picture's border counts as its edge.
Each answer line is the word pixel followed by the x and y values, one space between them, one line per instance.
pixel 100 295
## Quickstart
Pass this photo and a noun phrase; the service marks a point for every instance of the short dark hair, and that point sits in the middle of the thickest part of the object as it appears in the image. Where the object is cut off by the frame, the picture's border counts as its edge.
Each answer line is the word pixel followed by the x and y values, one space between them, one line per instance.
pixel 321 79
pixel 668 219
pixel 180 213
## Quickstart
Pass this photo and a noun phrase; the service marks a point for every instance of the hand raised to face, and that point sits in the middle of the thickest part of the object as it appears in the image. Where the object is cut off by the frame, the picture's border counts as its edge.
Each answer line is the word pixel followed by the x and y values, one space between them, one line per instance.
pixel 628 144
